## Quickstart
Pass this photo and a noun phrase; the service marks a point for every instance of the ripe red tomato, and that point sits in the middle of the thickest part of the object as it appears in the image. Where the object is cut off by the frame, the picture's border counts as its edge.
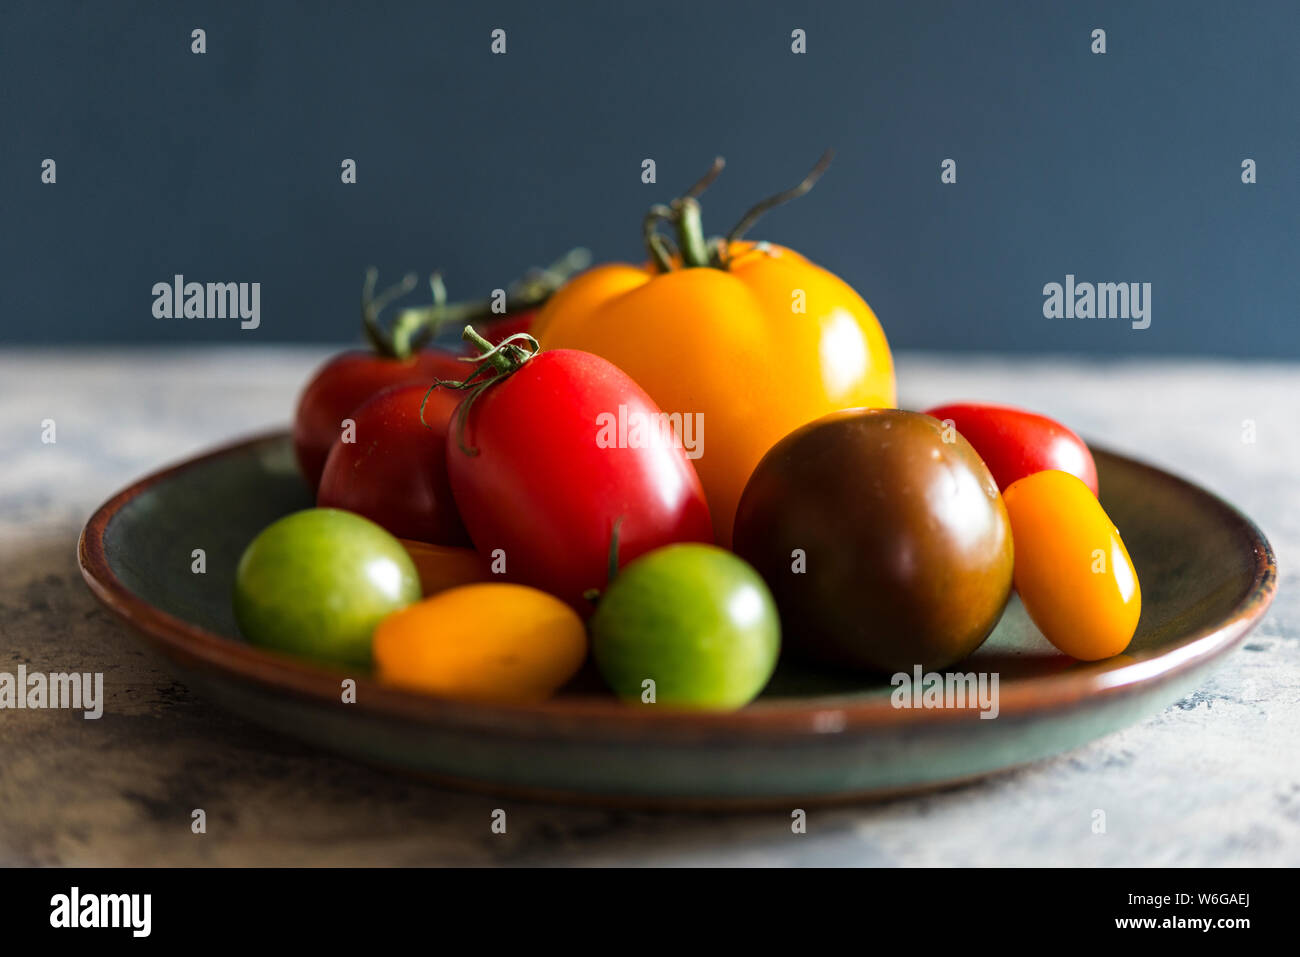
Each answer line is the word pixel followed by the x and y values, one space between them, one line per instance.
pixel 1014 443
pixel 395 472
pixel 343 383
pixel 537 479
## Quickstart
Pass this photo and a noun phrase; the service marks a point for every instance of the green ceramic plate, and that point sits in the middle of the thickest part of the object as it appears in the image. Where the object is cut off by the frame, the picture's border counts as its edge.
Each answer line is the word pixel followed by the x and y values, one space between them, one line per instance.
pixel 1207 577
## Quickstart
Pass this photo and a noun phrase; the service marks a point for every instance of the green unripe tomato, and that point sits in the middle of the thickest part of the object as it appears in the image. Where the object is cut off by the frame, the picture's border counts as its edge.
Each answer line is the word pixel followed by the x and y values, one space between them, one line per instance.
pixel 317 582
pixel 696 620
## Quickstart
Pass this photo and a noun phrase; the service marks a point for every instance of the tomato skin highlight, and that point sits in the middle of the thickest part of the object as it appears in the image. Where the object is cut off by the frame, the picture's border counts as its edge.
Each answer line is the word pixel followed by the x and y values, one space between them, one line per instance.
pixel 346 381
pixel 1072 570
pixel 1014 442
pixel 395 473
pixel 495 642
pixel 545 492
pixel 696 620
pixel 316 583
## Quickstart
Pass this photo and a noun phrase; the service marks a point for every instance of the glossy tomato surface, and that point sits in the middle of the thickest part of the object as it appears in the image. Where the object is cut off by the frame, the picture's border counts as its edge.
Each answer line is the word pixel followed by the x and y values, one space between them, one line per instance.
pixel 494 642
pixel 695 621
pixel 317 582
pixel 1014 443
pixel 551 473
pixel 343 383
pixel 885 546
pixel 1072 570
pixel 394 471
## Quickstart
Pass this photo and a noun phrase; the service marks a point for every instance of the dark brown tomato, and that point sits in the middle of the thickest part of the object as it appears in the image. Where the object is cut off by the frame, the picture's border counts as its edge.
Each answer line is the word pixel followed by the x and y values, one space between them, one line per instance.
pixel 885 546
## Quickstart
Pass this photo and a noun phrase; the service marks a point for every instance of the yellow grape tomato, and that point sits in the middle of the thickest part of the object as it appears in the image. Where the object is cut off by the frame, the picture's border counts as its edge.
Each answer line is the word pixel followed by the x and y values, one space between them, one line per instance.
pixel 492 642
pixel 1072 570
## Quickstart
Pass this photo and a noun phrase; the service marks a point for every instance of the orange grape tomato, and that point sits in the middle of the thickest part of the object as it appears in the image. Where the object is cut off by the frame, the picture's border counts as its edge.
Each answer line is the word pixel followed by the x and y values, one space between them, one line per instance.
pixel 1072 570
pixel 444 566
pixel 493 642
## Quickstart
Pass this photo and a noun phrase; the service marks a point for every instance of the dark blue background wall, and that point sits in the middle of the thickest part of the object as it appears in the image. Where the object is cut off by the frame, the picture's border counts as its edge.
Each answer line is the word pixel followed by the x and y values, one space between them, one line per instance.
pixel 225 166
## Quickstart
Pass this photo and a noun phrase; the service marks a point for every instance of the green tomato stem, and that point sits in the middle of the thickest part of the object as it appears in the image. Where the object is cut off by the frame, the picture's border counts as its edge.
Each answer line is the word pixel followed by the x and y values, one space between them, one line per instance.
pixel 684 214
pixel 496 363
pixel 414 326
pixel 690 233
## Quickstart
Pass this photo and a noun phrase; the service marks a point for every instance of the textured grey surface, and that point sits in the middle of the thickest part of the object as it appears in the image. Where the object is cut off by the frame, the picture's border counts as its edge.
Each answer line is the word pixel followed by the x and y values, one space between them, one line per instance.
pixel 1213 780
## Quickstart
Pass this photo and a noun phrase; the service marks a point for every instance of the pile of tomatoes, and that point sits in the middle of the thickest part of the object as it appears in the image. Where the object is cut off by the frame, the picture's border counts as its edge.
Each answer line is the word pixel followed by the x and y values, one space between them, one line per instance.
pixel 492 518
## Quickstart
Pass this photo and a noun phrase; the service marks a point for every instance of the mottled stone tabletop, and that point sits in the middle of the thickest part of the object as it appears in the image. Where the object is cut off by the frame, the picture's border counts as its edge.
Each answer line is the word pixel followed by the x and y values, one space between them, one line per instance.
pixel 1214 780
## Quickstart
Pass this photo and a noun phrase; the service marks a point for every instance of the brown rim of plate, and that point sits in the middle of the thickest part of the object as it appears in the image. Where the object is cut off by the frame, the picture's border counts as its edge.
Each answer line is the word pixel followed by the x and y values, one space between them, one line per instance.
pixel 196 647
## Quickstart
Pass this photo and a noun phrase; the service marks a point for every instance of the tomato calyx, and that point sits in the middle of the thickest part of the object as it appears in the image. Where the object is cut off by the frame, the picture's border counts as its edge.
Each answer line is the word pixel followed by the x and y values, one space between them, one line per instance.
pixel 495 364
pixel 684 214
pixel 416 325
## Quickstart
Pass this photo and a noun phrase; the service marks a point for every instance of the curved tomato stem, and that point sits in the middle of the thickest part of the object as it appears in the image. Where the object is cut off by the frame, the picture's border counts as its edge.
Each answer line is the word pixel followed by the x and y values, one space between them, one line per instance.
pixel 611 571
pixel 496 363
pixel 690 232
pixel 381 340
pixel 613 550
pixel 414 326
pixel 659 247
pixel 758 209
pixel 529 291
pixel 684 214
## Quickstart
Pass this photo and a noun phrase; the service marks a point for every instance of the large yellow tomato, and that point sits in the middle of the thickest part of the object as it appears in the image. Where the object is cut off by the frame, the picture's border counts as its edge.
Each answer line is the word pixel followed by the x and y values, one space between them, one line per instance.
pixel 752 348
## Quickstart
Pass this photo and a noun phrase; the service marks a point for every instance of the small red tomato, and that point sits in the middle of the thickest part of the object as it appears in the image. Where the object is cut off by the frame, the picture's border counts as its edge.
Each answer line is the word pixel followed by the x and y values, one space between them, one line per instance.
pixel 1014 443
pixel 343 383
pixel 395 471
pixel 540 472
